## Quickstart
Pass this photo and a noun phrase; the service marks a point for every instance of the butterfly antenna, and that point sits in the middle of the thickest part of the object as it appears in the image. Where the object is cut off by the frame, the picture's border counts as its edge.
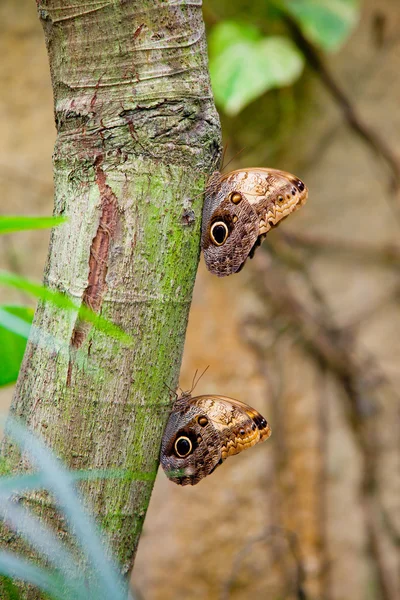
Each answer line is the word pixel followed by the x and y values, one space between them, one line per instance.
pixel 233 158
pixel 173 392
pixel 193 382
pixel 223 155
pixel 200 376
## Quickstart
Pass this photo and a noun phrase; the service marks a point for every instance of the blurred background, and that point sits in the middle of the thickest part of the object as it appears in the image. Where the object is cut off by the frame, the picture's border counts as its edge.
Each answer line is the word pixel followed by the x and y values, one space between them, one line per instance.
pixel 308 333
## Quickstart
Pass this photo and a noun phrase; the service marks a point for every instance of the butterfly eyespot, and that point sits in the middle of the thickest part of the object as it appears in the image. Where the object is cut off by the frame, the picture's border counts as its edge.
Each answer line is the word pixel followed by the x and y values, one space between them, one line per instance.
pixel 280 198
pixel 242 432
pixel 202 421
pixel 294 191
pixel 236 197
pixel 288 196
pixel 183 446
pixel 219 233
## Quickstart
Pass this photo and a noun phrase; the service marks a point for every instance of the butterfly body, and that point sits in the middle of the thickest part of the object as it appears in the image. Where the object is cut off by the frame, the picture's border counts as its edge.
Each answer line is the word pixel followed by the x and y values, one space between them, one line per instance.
pixel 239 210
pixel 204 431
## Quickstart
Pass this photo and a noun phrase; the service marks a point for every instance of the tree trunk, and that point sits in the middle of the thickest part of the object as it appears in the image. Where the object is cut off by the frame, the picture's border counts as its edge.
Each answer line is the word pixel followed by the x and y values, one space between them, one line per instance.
pixel 138 135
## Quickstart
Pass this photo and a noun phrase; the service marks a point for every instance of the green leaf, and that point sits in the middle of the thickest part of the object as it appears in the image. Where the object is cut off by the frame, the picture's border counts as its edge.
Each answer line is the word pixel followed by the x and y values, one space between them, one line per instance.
pixel 13 340
pixel 41 537
pixel 10 224
pixel 244 65
pixel 10 589
pixel 59 484
pixel 64 302
pixel 225 34
pixel 15 567
pixel 15 484
pixel 326 23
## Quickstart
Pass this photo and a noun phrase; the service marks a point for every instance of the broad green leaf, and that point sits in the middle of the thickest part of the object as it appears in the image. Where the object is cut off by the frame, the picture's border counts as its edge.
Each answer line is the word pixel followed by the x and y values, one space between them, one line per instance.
pixel 13 340
pixel 9 224
pixel 227 33
pixel 64 302
pixel 244 65
pixel 326 23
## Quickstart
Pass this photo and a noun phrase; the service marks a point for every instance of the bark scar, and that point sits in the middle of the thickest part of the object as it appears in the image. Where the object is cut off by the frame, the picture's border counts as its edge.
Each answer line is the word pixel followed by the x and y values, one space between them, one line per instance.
pixel 99 253
pixel 138 30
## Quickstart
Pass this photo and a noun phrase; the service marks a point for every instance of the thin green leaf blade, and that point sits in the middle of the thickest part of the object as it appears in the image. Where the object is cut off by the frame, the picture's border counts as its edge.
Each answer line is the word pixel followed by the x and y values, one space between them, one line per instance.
pixel 18 568
pixel 15 324
pixel 10 589
pixel 63 301
pixel 107 577
pixel 10 224
pixel 17 484
pixel 43 540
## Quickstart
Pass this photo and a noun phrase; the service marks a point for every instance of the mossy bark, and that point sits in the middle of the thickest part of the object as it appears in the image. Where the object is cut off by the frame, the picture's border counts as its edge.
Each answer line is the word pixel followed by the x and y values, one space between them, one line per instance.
pixel 137 136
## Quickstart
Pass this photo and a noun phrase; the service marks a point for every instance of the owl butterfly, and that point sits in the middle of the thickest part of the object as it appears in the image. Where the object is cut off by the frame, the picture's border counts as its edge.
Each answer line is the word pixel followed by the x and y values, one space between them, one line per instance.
pixel 203 431
pixel 239 210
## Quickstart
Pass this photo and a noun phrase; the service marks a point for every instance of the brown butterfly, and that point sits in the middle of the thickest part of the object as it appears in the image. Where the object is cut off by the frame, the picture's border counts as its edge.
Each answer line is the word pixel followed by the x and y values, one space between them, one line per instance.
pixel 239 210
pixel 203 431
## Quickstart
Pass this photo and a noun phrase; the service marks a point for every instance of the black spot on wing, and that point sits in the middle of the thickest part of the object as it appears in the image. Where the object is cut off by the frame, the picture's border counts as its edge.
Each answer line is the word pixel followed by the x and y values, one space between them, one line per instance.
pixel 260 422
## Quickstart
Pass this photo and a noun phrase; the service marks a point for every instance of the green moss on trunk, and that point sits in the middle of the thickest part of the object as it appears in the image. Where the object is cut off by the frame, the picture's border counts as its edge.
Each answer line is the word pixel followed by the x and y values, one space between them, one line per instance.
pixel 137 137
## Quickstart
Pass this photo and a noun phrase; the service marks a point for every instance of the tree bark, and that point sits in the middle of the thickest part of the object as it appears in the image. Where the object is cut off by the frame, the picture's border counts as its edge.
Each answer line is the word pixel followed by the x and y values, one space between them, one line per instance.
pixel 137 136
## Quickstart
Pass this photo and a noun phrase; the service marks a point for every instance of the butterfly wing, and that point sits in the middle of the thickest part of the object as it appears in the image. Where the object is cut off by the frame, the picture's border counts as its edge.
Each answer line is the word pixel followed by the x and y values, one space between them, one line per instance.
pixel 274 194
pixel 249 202
pixel 203 431
pixel 202 443
pixel 239 425
pixel 240 221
